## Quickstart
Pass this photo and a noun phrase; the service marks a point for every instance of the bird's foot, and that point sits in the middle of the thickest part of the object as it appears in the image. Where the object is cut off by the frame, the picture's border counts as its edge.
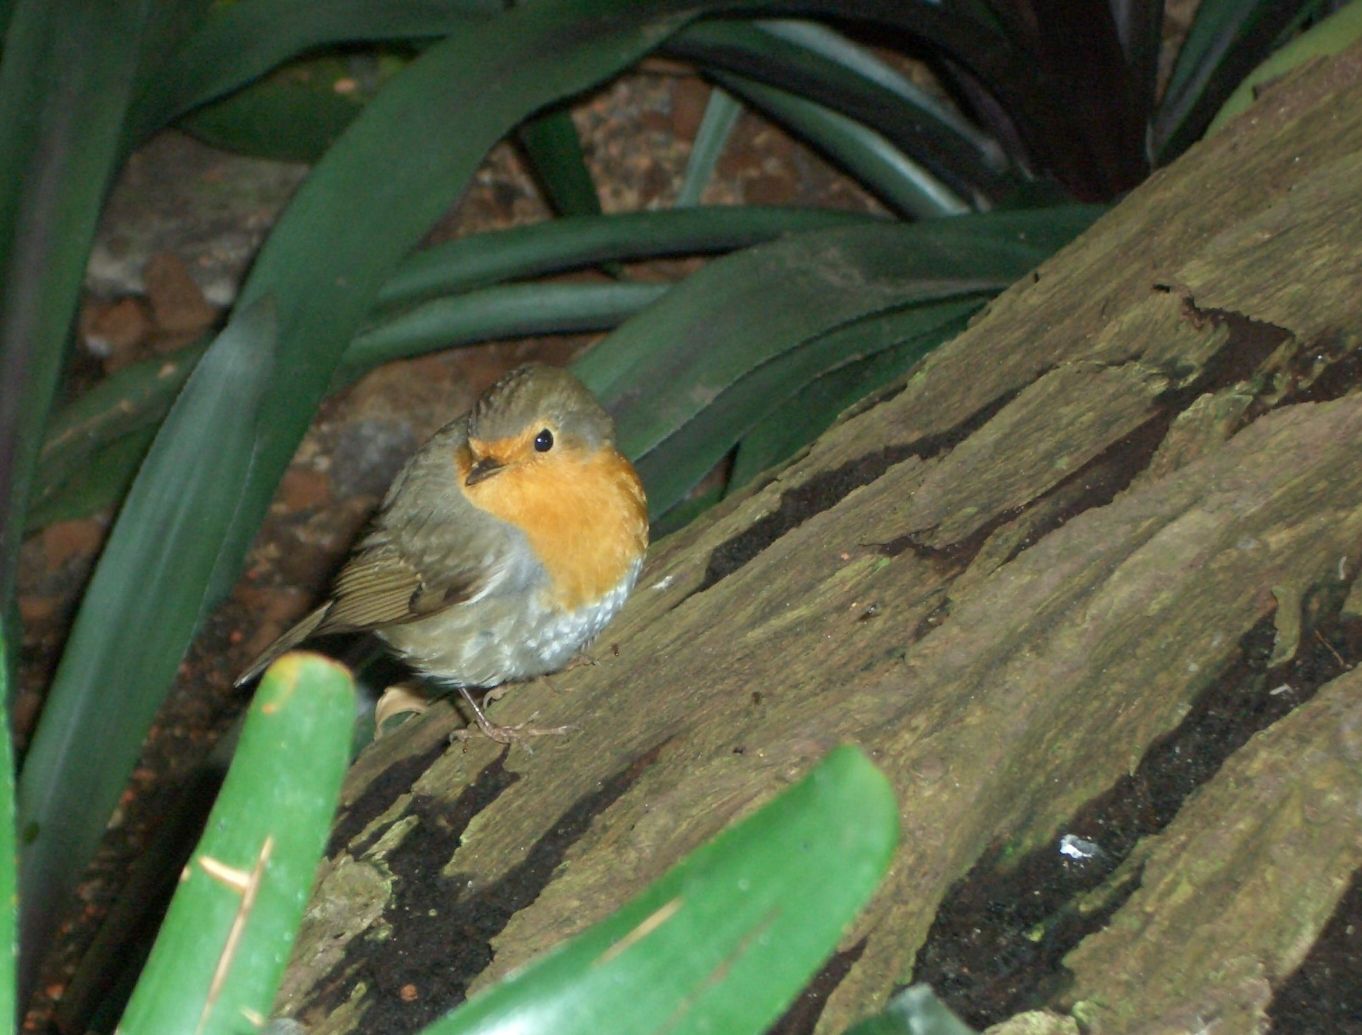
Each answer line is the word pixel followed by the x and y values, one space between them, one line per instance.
pixel 520 732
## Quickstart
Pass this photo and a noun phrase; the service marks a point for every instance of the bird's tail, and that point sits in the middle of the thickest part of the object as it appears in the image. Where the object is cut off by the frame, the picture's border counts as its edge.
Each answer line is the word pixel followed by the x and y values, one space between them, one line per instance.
pixel 285 643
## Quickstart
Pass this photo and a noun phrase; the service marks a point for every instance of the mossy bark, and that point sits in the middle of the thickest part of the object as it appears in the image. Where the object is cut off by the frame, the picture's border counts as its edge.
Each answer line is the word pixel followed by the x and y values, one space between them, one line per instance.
pixel 1009 581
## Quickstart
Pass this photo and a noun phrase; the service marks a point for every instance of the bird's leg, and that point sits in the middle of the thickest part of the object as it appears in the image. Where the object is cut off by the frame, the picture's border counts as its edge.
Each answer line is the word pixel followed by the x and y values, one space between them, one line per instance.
pixel 504 734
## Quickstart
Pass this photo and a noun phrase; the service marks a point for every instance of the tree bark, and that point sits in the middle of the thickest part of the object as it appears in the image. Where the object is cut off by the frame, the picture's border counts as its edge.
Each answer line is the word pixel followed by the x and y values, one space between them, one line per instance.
pixel 1132 486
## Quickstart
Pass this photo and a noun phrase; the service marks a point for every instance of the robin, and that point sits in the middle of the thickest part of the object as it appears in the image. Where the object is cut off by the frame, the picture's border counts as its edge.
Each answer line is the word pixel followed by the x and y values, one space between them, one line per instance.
pixel 504 546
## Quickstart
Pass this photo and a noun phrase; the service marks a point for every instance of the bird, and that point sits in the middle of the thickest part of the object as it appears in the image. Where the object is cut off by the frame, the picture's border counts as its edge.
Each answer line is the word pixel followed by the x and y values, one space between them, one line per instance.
pixel 502 548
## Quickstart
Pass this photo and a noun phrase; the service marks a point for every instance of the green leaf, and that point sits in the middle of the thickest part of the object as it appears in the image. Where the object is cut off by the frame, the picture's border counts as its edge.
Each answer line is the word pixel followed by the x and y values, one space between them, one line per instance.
pixel 884 170
pixel 102 480
pixel 65 81
pixel 1335 33
pixel 867 365
pixel 727 938
pixel 148 592
pixel 9 861
pixel 1227 39
pixel 241 42
pixel 662 369
pixel 221 950
pixel 822 66
pixel 200 497
pixel 555 154
pixel 721 114
pixel 129 402
pixel 574 242
pixel 285 121
pixel 508 311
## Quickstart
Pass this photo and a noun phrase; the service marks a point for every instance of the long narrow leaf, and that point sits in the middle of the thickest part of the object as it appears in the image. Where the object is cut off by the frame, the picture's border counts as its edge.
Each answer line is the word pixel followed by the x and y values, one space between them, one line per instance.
pixel 574 242
pixel 1335 33
pixel 147 594
pixel 725 940
pixel 672 467
pixel 222 948
pixel 812 61
pixel 9 859
pixel 793 421
pixel 65 81
pixel 1227 39
pixel 554 149
pixel 721 114
pixel 511 310
pixel 881 167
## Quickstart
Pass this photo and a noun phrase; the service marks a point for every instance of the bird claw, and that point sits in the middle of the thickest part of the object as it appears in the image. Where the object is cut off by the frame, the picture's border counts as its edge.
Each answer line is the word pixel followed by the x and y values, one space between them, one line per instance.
pixel 520 732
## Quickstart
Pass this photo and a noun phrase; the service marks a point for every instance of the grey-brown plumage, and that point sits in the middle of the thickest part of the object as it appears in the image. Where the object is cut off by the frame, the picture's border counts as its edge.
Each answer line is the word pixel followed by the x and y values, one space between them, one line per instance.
pixel 504 544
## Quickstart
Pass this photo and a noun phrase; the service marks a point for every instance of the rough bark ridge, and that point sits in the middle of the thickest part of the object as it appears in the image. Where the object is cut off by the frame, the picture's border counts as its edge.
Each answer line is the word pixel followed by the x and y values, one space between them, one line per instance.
pixel 1132 484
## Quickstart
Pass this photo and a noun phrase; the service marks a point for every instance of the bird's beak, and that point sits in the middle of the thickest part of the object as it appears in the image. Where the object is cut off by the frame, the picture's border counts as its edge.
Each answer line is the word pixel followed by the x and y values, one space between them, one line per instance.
pixel 483 469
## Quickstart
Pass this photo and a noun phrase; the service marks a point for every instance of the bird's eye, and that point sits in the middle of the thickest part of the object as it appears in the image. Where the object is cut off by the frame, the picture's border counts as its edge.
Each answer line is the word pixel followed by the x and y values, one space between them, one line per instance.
pixel 543 442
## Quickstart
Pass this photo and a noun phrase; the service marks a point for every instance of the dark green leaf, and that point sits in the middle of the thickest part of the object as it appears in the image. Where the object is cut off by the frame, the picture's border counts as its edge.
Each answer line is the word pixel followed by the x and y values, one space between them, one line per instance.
pixel 509 311
pixel 148 591
pixel 65 81
pixel 1335 33
pixel 555 154
pixel 9 860
pixel 726 939
pixel 1227 39
pixel 819 65
pixel 575 242
pixel 243 41
pixel 797 420
pixel 95 443
pixel 285 121
pixel 200 497
pixel 880 167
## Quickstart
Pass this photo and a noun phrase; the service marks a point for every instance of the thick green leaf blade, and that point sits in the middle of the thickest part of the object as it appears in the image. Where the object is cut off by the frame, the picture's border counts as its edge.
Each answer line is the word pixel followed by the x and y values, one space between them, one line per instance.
pixel 149 589
pixel 577 241
pixel 554 149
pixel 508 311
pixel 221 950
pixel 884 170
pixel 243 41
pixel 284 121
pixel 199 499
pixel 822 66
pixel 66 78
pixel 866 365
pixel 9 860
pixel 726 939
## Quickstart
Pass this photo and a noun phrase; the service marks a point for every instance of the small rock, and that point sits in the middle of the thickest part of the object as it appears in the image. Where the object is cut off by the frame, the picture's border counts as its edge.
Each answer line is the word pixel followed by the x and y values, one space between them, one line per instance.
pixel 114 330
pixel 304 489
pixel 67 539
pixel 177 302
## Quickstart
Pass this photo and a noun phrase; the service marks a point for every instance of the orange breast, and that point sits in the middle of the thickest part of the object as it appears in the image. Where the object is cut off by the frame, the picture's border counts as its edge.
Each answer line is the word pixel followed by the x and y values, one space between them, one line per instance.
pixel 585 516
